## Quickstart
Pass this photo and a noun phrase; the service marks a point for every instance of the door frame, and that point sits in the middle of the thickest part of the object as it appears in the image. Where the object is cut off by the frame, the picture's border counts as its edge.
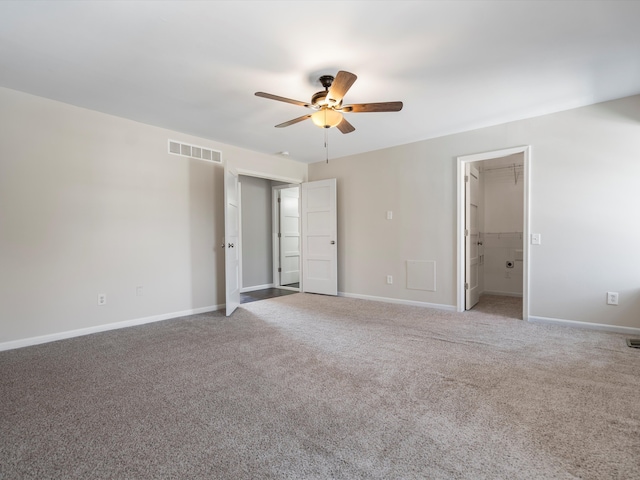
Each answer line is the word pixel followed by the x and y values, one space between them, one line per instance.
pixel 278 178
pixel 461 162
pixel 240 233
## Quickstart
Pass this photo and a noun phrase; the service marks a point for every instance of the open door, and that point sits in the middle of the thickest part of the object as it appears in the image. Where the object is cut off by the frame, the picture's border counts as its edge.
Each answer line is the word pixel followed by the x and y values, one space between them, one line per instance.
pixel 319 236
pixel 232 236
pixel 289 221
pixel 471 236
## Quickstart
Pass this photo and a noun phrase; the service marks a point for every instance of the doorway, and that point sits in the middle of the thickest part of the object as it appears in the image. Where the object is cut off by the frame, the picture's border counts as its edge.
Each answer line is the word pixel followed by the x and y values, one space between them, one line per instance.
pixel 493 254
pixel 256 233
pixel 318 224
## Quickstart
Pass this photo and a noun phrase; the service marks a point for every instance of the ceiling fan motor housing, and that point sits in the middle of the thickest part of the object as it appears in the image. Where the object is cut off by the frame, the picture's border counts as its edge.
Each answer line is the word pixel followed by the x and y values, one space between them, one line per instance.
pixel 326 81
pixel 319 99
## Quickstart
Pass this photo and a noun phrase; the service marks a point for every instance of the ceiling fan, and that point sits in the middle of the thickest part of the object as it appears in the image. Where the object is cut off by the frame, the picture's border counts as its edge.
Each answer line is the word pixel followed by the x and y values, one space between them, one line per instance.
pixel 328 104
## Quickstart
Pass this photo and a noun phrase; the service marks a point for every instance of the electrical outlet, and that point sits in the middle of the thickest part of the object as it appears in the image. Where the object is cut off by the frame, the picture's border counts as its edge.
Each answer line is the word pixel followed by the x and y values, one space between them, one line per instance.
pixel 102 299
pixel 389 279
pixel 612 298
pixel 389 215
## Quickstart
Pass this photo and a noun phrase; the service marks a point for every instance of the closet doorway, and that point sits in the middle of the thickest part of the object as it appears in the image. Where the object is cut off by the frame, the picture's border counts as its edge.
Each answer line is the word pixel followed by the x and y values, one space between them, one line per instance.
pixel 493 216
pixel 257 234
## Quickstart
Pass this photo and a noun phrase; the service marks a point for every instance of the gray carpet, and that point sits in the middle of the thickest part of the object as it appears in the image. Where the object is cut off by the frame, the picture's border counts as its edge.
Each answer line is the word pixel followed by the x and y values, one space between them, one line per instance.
pixel 313 387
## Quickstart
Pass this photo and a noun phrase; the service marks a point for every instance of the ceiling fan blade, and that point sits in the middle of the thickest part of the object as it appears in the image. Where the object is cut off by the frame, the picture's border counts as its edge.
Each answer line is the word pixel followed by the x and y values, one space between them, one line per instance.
pixel 345 127
pixel 341 84
pixel 295 120
pixel 283 99
pixel 373 107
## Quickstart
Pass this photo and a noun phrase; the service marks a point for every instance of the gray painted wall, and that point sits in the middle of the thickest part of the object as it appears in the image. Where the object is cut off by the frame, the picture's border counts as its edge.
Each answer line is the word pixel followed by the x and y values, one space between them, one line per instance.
pixel 92 203
pixel 257 226
pixel 584 201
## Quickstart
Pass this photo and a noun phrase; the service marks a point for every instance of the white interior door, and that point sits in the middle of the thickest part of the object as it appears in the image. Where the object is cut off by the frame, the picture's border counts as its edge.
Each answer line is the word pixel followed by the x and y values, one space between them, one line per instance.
pixel 319 237
pixel 290 236
pixel 232 237
pixel 471 236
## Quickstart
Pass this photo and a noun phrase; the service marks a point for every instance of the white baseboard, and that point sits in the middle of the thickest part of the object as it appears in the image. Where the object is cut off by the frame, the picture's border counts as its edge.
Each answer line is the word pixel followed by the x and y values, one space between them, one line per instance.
pixel 256 287
pixel 28 342
pixel 414 303
pixel 588 325
pixel 502 294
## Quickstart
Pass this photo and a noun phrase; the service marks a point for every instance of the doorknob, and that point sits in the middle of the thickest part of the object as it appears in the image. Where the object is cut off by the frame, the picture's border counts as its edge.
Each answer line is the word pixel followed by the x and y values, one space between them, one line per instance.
pixel 222 245
pixel 333 242
pixel 231 245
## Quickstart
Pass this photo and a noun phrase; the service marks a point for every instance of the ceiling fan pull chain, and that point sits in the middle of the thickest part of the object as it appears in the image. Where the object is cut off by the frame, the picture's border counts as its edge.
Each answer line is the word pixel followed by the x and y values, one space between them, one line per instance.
pixel 326 142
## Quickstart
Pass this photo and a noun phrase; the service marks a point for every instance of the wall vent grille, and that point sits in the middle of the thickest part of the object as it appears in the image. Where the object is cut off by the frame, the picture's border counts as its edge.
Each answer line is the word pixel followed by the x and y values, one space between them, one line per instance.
pixel 194 151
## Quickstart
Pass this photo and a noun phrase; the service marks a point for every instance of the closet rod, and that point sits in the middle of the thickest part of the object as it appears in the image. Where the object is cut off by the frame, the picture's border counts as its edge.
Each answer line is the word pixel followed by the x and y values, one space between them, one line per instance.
pixel 502 233
pixel 509 167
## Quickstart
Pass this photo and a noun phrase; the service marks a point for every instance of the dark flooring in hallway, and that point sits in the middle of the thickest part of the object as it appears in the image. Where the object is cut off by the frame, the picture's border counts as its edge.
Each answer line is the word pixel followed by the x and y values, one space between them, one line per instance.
pixel 264 294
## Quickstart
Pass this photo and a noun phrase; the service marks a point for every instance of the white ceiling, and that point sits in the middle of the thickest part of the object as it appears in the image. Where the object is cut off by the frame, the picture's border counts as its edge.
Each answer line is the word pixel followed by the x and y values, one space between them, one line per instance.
pixel 193 67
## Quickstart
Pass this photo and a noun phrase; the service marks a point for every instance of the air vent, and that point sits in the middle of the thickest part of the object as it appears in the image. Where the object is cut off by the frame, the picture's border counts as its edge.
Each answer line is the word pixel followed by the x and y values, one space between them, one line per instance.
pixel 633 342
pixel 193 151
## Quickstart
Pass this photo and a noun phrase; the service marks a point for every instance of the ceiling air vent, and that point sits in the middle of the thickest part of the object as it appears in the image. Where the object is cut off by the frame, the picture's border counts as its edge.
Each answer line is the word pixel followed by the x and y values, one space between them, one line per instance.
pixel 193 151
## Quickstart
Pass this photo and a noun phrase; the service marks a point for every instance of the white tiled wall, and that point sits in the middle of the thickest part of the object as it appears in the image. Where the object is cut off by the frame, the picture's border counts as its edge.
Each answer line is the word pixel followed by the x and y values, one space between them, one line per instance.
pixel 500 248
pixel 502 237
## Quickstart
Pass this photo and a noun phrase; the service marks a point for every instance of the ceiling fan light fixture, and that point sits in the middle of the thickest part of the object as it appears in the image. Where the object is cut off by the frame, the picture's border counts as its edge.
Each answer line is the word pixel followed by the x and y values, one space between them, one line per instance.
pixel 328 105
pixel 326 118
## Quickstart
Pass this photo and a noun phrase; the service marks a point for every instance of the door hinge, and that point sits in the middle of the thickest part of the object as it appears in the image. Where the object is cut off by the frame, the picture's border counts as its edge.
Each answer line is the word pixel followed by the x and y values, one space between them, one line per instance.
pixel 279 270
pixel 466 286
pixel 466 178
pixel 279 235
pixel 278 199
pixel 466 233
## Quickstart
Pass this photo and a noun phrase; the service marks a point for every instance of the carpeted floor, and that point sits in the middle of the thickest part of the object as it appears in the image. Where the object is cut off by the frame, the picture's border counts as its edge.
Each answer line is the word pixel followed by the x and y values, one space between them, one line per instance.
pixel 313 387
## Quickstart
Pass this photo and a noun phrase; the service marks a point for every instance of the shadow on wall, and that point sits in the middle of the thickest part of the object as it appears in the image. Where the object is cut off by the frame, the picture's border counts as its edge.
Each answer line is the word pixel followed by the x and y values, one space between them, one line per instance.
pixel 206 231
pixel 623 110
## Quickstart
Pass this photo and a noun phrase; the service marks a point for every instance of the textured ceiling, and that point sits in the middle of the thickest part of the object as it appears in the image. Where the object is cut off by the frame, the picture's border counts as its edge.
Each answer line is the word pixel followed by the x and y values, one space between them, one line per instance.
pixel 193 67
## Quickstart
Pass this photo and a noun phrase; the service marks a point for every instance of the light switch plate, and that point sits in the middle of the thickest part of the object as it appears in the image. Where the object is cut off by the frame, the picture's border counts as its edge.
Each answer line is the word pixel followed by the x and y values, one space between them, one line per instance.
pixel 536 239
